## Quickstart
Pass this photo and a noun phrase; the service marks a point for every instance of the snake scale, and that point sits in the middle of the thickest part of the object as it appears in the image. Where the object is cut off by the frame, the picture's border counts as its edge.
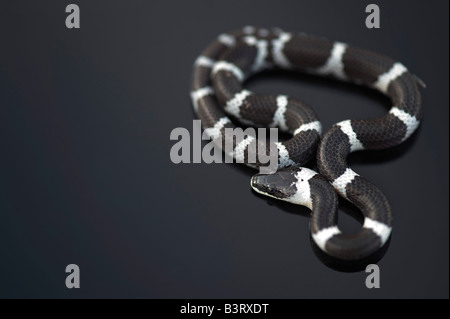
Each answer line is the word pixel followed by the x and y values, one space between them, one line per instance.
pixel 218 95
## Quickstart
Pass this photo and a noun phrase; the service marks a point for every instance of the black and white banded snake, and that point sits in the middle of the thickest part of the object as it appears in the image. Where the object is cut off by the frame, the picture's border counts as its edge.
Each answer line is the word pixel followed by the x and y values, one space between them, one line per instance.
pixel 217 92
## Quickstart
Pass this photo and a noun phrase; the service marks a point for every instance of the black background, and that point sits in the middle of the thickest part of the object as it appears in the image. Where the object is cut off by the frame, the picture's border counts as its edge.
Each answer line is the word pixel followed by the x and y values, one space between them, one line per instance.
pixel 86 177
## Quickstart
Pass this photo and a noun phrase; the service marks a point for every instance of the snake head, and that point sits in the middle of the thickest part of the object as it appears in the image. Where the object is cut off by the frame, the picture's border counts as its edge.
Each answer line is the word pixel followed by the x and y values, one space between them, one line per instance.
pixel 289 185
pixel 280 185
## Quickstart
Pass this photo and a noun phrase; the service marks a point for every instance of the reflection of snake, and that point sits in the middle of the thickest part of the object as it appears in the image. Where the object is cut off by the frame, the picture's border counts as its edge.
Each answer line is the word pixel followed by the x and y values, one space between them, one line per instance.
pixel 217 88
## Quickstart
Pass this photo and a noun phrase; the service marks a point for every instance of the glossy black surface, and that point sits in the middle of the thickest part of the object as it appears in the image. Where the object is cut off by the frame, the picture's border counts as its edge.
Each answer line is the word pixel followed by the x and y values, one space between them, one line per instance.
pixel 86 177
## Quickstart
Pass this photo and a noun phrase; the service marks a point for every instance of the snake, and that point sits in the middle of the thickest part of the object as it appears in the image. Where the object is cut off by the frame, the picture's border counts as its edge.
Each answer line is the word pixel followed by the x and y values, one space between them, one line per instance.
pixel 220 100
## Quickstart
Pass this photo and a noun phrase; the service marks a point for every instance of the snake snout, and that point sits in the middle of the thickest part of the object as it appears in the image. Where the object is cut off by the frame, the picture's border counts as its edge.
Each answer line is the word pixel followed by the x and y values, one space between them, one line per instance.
pixel 259 184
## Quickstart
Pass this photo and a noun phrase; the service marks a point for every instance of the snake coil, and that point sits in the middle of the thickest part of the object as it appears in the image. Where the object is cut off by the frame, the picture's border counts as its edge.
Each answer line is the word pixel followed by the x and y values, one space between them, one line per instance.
pixel 217 94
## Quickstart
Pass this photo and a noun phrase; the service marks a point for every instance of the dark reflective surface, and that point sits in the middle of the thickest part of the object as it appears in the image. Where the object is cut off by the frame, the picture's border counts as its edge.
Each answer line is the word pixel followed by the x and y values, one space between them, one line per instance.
pixel 86 177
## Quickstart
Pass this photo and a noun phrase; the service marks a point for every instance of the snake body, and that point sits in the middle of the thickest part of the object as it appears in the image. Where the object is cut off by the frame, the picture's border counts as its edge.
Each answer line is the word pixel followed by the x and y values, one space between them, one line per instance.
pixel 217 94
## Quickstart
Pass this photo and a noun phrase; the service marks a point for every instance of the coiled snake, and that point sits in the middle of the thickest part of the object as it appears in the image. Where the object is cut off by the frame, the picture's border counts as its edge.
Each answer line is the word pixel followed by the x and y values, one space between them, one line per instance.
pixel 217 92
